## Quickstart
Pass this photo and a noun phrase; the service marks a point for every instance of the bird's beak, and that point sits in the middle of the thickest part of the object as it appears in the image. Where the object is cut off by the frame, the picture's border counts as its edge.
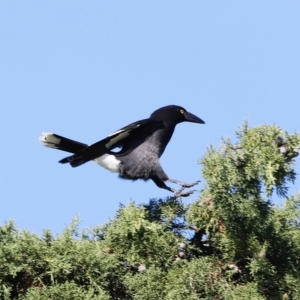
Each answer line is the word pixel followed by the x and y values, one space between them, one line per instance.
pixel 192 118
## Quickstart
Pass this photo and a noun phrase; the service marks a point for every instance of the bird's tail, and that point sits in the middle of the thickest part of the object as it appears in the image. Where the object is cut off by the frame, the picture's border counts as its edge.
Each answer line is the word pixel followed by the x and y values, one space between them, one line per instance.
pixel 56 141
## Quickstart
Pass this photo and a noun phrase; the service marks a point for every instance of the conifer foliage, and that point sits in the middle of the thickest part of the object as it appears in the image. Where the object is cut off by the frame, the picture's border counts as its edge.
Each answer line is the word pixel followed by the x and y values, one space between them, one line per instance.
pixel 231 243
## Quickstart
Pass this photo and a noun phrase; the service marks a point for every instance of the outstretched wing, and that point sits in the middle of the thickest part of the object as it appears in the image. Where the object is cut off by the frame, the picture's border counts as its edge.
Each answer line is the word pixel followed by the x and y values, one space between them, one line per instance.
pixel 114 140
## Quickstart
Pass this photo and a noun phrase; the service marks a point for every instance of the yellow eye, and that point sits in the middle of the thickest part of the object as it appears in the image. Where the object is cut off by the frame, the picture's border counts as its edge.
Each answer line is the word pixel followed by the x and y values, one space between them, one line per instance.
pixel 182 111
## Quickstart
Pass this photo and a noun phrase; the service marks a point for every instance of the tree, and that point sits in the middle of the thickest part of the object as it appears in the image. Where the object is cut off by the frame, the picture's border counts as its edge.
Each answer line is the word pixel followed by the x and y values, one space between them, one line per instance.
pixel 232 243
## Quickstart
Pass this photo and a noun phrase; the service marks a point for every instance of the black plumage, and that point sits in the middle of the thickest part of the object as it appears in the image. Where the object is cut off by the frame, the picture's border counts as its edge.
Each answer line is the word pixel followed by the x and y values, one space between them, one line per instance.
pixel 141 145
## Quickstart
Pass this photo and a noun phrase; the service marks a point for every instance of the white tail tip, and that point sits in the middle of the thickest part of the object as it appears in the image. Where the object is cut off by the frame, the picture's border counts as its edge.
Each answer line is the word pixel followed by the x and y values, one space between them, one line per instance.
pixel 49 140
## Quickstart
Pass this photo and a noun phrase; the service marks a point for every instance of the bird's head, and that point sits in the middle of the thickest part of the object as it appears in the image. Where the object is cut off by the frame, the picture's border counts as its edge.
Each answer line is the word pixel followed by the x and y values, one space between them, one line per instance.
pixel 175 114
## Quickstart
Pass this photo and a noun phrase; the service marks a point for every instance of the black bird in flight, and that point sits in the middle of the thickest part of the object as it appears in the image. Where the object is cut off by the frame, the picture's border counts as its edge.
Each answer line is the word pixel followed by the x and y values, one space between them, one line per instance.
pixel 142 143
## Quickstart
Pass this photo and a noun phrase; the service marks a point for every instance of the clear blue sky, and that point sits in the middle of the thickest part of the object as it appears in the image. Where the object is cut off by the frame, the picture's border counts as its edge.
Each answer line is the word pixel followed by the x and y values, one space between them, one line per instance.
pixel 83 69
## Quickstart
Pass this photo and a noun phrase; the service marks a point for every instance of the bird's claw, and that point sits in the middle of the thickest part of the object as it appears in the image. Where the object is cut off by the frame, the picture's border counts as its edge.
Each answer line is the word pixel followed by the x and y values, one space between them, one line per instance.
pixel 188 185
pixel 183 184
pixel 180 193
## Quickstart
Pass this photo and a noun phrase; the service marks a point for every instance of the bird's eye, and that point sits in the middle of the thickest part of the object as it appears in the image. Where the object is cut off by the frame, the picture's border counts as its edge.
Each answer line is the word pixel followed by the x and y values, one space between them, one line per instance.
pixel 181 111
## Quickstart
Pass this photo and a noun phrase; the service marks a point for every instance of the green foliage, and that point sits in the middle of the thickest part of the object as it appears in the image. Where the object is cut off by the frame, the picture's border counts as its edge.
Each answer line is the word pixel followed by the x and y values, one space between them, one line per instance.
pixel 232 243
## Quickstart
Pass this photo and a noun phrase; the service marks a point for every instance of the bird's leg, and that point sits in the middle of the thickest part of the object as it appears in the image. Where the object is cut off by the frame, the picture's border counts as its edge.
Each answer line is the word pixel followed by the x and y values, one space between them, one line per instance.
pixel 183 184
pixel 162 185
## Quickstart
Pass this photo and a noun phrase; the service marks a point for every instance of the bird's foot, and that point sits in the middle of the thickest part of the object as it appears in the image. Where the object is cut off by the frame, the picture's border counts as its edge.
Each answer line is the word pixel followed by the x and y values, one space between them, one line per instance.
pixel 180 193
pixel 184 184
pixel 188 185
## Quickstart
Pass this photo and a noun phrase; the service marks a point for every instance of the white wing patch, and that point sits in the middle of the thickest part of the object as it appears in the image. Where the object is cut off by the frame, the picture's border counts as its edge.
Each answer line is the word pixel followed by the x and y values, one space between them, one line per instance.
pixel 108 162
pixel 116 132
pixel 119 137
pixel 123 130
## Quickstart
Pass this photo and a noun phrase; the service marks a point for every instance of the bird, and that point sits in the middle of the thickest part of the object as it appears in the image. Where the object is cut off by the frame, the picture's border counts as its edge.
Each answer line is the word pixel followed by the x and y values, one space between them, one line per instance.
pixel 132 151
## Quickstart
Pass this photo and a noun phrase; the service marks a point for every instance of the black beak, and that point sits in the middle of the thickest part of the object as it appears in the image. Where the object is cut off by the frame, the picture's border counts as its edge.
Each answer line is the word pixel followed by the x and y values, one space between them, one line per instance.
pixel 192 118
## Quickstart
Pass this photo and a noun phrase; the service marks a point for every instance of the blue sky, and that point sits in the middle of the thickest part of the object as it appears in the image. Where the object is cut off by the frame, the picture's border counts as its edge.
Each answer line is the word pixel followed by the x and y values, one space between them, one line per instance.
pixel 84 69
